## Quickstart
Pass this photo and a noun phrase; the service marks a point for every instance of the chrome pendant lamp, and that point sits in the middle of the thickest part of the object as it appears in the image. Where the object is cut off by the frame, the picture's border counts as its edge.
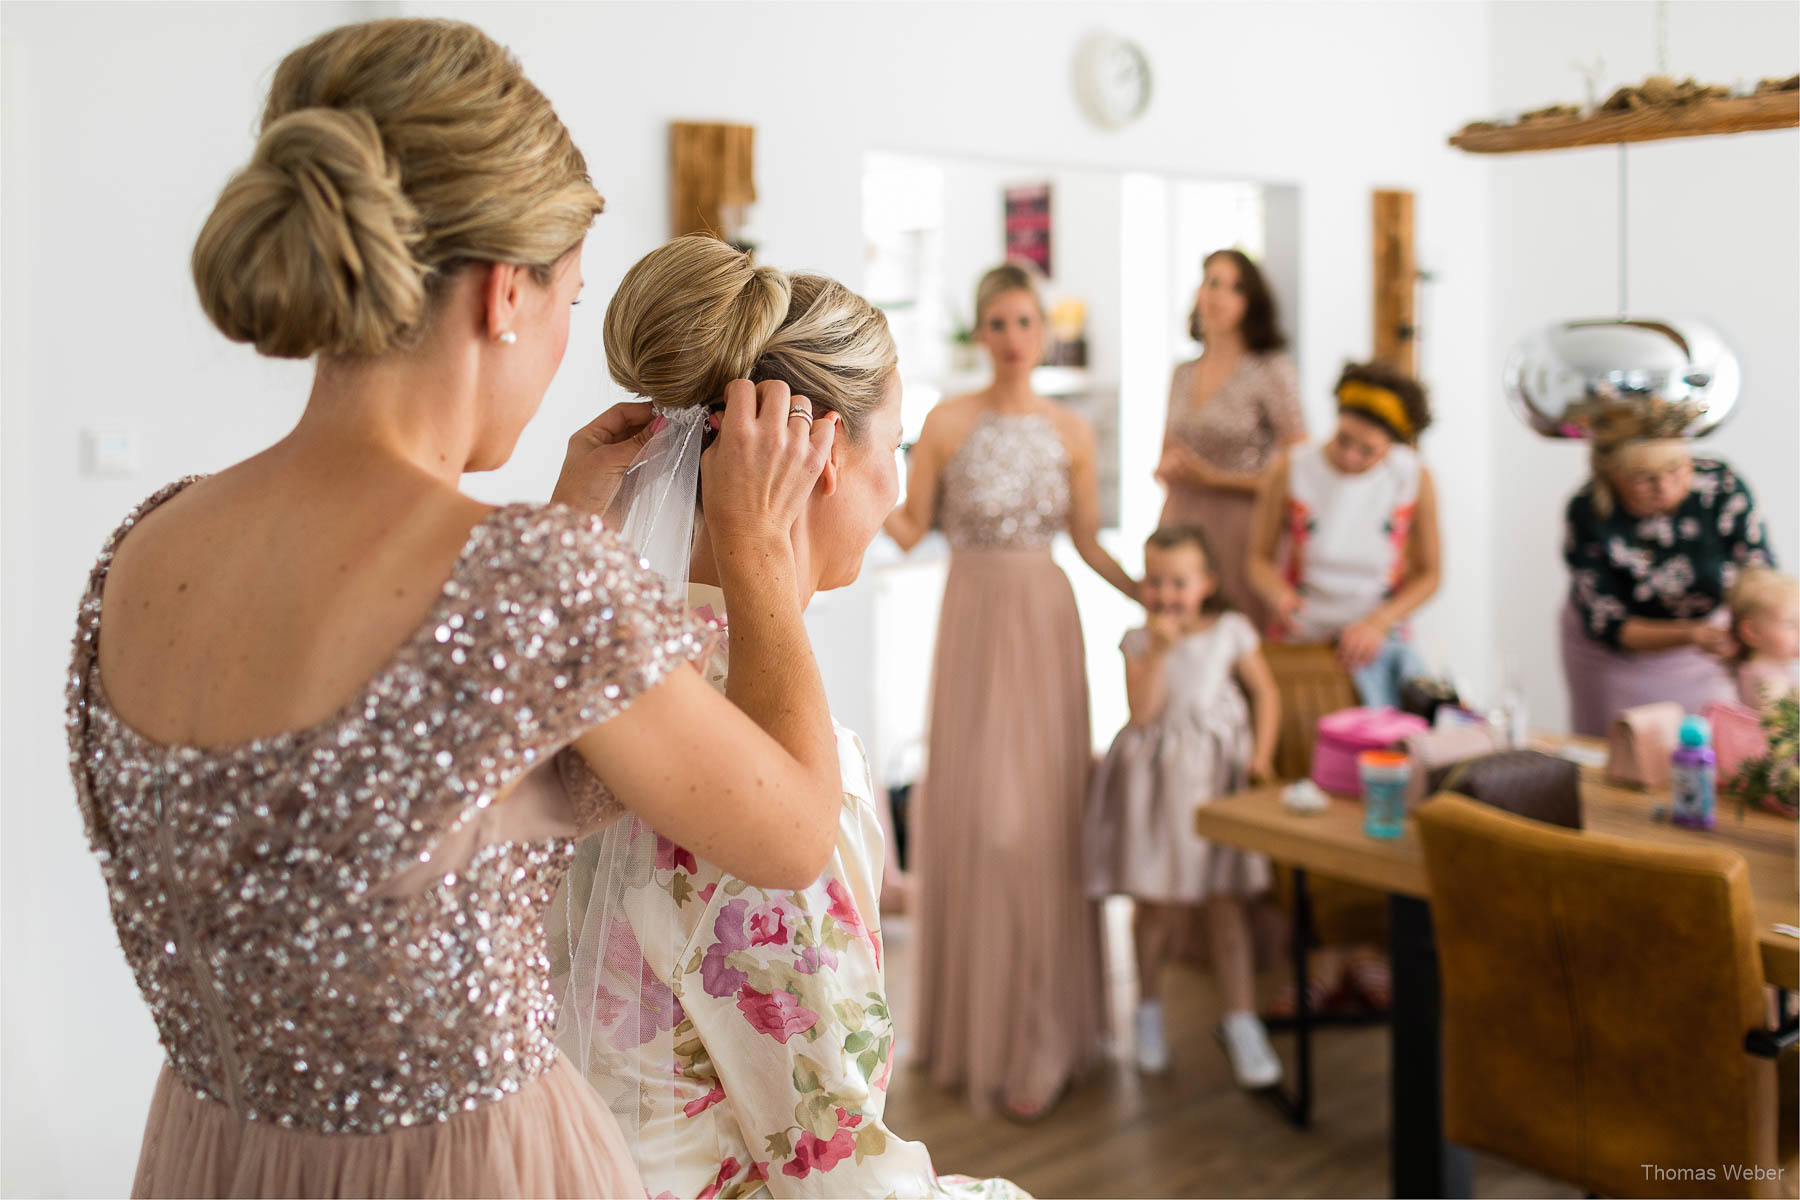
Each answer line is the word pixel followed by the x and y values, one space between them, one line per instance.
pixel 1623 376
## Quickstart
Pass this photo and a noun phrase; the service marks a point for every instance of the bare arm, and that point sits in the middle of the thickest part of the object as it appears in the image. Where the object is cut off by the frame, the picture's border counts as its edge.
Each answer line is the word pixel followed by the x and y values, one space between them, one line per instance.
pixel 1423 568
pixel 1640 634
pixel 1084 509
pixel 750 783
pixel 1146 683
pixel 1180 464
pixel 1265 709
pixel 1361 641
pixel 913 518
pixel 1265 542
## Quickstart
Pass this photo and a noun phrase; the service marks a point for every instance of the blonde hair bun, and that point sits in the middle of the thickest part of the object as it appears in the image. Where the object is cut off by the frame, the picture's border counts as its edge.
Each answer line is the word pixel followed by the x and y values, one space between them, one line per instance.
pixel 694 314
pixel 310 247
pixel 691 316
pixel 393 154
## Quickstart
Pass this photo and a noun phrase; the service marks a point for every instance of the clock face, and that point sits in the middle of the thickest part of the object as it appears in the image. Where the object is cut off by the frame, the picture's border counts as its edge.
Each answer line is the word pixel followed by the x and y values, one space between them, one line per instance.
pixel 1112 79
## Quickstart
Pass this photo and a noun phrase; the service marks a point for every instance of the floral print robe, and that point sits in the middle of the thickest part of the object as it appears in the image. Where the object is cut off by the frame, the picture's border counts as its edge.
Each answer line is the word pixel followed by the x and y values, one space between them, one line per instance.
pixel 765 1045
pixel 1674 567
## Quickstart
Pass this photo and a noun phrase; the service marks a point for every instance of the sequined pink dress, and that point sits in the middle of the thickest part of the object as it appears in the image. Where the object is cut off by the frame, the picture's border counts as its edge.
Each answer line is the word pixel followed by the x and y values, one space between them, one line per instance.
pixel 1009 983
pixel 340 931
pixel 1241 428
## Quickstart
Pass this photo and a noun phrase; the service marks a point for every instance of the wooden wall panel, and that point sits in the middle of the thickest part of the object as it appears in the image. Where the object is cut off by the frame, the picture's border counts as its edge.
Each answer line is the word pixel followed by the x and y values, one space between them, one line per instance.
pixel 1396 282
pixel 712 177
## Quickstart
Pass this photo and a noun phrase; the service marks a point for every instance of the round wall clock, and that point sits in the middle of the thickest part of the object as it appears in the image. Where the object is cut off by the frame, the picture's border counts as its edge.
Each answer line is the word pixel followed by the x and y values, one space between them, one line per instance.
pixel 1112 80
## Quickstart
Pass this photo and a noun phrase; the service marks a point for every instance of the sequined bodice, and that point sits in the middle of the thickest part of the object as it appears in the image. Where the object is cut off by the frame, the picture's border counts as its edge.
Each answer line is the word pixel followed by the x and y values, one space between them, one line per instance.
pixel 1246 422
pixel 254 888
pixel 1007 485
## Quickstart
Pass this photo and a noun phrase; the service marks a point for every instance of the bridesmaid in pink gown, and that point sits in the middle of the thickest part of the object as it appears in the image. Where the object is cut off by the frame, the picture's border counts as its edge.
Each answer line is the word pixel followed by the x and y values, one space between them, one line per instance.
pixel 322 704
pixel 1009 949
pixel 1232 411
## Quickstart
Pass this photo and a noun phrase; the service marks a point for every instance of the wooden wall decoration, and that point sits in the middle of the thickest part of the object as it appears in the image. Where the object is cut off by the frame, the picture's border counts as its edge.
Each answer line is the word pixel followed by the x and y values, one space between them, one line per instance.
pixel 1396 282
pixel 1736 114
pixel 712 178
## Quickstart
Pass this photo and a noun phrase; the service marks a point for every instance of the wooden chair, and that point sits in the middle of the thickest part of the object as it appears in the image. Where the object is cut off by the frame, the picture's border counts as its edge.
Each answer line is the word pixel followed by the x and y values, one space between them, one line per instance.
pixel 1604 1012
pixel 1312 684
pixel 1323 911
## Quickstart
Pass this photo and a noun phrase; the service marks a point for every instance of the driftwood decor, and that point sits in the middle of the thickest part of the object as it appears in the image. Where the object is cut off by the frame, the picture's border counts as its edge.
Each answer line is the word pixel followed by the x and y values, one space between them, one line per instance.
pixel 1643 113
pixel 712 178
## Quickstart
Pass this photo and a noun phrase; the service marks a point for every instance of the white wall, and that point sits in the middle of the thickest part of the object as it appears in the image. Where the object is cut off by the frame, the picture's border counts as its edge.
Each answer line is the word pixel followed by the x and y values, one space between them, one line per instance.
pixel 122 122
pixel 1714 232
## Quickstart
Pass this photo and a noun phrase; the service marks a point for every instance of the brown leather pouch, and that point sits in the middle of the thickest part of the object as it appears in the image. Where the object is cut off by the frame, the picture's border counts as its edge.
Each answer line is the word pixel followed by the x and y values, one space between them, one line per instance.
pixel 1436 749
pixel 1639 744
pixel 1523 782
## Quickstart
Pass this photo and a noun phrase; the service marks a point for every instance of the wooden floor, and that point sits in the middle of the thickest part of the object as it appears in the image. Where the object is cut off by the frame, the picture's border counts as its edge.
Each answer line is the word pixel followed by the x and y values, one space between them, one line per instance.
pixel 1190 1132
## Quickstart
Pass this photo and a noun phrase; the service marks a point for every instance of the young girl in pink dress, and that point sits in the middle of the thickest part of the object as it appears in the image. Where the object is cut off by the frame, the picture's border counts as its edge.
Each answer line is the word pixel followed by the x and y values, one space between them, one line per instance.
pixel 1765 620
pixel 1191 737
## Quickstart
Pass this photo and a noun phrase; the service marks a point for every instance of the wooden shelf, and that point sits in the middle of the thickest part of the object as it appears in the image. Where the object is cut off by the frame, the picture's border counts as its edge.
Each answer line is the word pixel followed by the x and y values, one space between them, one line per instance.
pixel 1737 114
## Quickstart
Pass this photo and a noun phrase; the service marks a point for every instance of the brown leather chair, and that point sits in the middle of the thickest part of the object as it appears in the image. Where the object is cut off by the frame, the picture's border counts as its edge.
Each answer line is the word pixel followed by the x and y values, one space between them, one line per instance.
pixel 1597 999
pixel 1312 684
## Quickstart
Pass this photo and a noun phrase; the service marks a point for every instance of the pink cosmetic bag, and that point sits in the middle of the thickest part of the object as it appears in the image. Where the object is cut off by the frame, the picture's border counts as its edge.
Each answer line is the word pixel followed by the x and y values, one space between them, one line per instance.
pixel 1737 736
pixel 1344 735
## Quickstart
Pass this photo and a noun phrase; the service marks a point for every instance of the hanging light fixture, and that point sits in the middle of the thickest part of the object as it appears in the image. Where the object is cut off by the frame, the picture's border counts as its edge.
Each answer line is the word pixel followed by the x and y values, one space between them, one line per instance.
pixel 1618 376
pixel 1581 378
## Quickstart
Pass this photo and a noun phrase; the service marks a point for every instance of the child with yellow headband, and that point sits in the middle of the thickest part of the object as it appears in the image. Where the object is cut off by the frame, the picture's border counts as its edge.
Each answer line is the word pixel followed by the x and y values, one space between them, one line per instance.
pixel 1345 541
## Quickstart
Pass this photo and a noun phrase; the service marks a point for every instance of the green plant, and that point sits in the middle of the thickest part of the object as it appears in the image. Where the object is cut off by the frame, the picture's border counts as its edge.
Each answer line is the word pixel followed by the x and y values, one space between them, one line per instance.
pixel 1774 778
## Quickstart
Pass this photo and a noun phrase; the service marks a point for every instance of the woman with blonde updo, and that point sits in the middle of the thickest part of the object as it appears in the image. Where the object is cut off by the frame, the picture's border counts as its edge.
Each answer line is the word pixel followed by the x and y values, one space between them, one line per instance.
pixel 1009 947
pixel 770 1004
pixel 342 726
pixel 1654 542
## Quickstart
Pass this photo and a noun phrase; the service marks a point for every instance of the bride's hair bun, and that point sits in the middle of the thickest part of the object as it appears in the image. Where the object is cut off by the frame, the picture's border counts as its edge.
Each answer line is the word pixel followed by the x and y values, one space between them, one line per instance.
pixel 690 317
pixel 310 247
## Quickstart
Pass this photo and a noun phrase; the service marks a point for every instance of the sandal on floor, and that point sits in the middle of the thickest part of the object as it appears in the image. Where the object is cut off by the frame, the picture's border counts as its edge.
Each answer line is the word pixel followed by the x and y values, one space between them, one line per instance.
pixel 1286 1005
pixel 1370 979
pixel 1019 1115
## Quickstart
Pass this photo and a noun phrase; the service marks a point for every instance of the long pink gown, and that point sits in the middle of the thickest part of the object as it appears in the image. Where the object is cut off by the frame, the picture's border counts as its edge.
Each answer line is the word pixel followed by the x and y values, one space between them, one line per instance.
pixel 1009 982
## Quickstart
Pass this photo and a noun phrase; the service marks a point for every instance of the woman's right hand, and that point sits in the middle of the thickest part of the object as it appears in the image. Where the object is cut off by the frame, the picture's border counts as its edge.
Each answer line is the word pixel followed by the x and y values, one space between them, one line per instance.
pixel 760 470
pixel 1286 607
pixel 1715 640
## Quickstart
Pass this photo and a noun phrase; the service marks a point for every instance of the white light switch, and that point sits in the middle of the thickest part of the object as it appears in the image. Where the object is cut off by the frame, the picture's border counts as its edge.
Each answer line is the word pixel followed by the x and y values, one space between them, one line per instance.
pixel 111 452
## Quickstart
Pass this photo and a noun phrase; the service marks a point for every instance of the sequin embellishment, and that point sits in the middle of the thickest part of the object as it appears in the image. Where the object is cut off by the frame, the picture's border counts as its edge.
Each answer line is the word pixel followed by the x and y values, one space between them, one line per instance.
pixel 1007 485
pixel 246 882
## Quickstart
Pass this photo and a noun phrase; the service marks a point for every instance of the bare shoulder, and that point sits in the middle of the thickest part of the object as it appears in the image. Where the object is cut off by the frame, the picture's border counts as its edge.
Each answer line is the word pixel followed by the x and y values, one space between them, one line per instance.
pixel 950 421
pixel 1076 433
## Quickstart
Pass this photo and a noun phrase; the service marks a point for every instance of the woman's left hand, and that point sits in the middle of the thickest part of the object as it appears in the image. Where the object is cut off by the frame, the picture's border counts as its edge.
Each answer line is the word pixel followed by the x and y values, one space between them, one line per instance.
pixel 1180 464
pixel 1262 770
pixel 1716 640
pixel 599 453
pixel 1360 643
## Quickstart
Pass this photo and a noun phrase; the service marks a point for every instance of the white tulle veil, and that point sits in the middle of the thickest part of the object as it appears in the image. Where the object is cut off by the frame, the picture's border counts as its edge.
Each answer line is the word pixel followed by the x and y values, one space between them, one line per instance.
pixel 617 1015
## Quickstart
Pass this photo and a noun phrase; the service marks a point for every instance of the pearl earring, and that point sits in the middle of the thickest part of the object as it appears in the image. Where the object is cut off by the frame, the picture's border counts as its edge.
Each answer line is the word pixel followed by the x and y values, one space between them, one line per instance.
pixel 508 337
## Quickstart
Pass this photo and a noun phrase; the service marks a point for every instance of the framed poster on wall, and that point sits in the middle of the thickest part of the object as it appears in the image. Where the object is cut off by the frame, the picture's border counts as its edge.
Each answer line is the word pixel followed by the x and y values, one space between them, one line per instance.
pixel 1027 209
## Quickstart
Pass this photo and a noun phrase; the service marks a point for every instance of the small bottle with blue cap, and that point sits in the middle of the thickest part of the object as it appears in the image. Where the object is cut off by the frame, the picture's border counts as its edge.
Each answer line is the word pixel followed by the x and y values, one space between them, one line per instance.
pixel 1693 776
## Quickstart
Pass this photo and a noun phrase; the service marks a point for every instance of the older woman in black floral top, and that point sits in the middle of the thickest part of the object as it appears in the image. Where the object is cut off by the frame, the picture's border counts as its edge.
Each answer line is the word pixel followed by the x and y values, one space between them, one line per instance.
pixel 1655 540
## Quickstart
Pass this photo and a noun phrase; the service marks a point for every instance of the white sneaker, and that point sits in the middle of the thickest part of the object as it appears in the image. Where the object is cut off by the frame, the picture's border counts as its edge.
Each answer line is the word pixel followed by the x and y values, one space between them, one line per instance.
pixel 1152 1046
pixel 1246 1044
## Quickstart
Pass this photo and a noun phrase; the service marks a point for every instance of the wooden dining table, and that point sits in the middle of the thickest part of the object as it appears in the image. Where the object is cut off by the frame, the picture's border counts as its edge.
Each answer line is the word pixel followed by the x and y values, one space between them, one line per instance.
pixel 1332 843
